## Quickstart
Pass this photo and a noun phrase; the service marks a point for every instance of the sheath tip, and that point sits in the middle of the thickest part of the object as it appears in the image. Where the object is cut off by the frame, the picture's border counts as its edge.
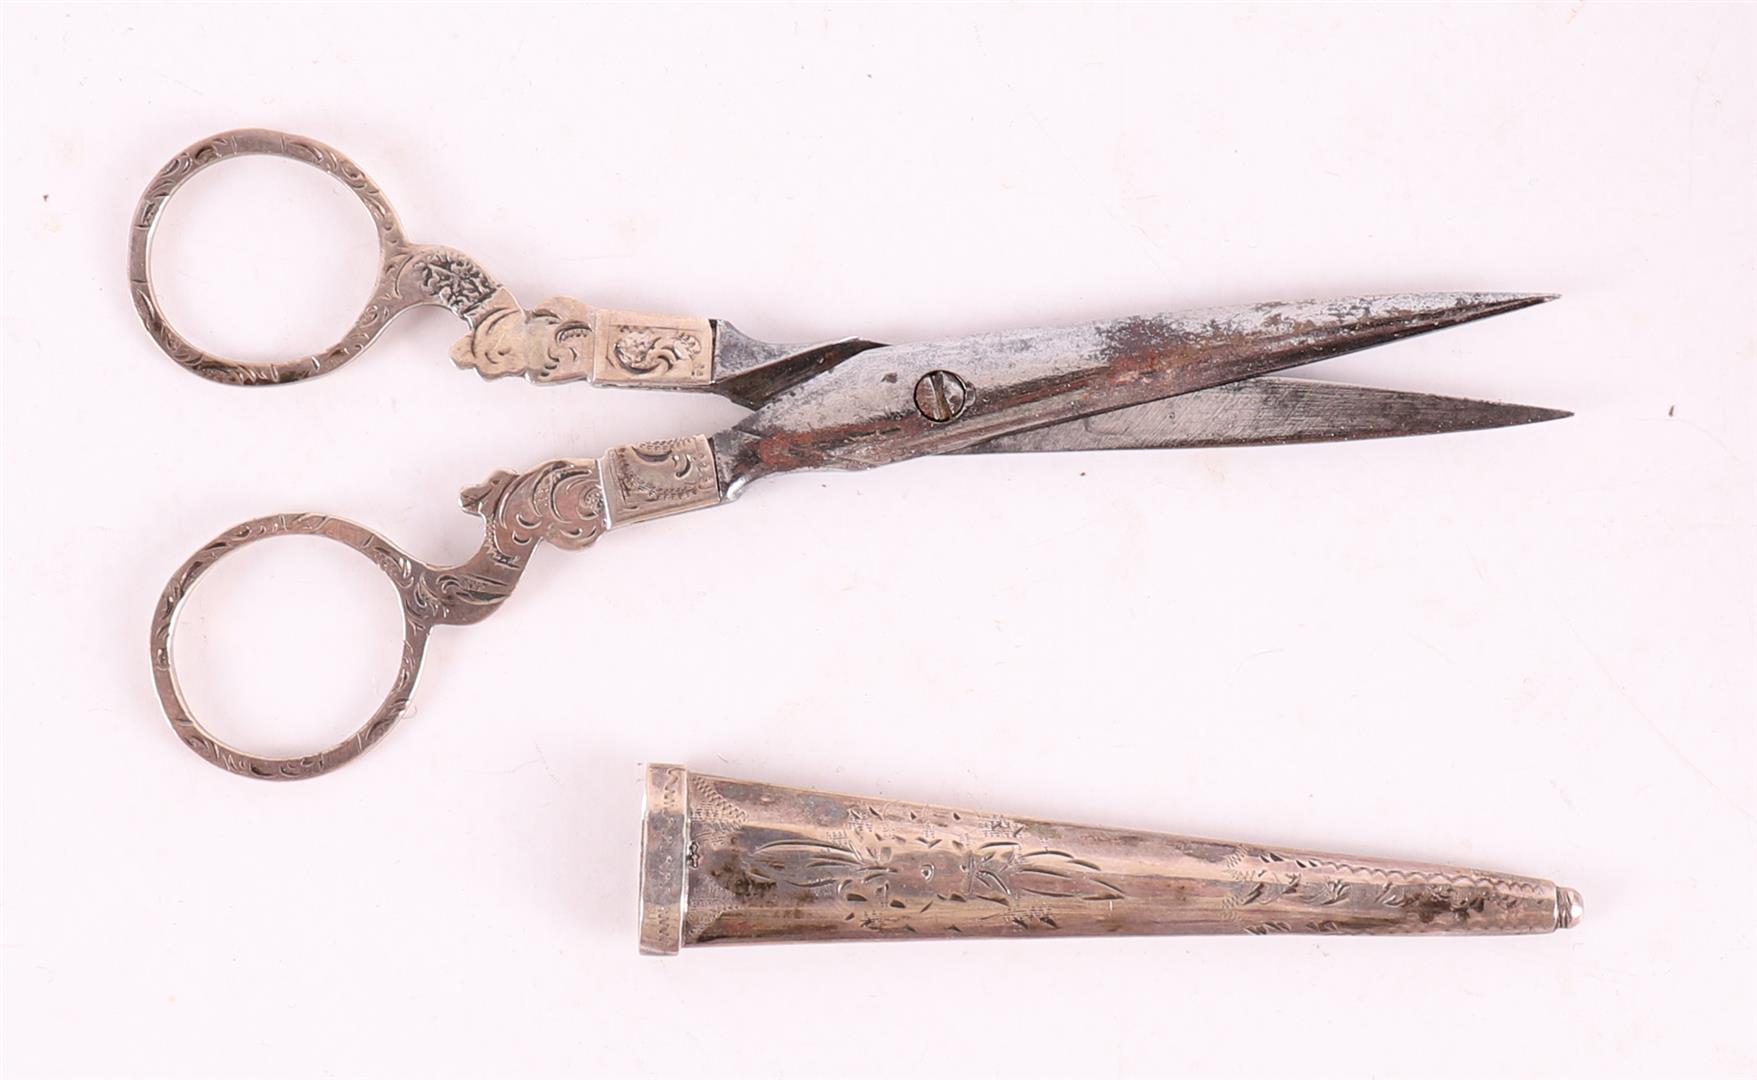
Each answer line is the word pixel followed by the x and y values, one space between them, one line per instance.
pixel 1570 908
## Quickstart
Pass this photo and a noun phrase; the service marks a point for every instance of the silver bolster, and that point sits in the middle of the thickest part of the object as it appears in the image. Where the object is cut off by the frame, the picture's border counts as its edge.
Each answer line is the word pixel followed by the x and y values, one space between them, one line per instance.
pixel 562 340
pixel 653 479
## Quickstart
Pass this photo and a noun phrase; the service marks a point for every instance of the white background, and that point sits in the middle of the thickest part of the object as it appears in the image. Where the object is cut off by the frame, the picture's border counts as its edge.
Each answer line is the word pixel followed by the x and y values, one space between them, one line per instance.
pixel 1530 650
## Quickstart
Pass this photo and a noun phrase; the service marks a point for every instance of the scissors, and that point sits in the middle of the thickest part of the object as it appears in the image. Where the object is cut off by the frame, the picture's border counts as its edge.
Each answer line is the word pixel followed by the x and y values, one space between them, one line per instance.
pixel 1193 379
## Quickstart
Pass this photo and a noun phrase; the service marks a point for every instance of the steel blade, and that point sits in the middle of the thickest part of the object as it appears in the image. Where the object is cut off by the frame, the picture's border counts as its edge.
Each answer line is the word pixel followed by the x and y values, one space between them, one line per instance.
pixel 904 401
pixel 1268 412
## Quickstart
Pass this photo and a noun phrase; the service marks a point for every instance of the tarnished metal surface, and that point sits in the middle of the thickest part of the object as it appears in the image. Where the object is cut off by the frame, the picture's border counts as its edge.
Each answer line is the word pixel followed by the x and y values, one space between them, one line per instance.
pixel 751 372
pixel 863 412
pixel 1188 379
pixel 777 864
pixel 1266 412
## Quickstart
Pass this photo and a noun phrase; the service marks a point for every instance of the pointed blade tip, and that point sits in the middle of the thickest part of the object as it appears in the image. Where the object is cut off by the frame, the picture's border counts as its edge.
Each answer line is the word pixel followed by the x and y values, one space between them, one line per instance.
pixel 1497 415
pixel 1418 313
pixel 1540 415
pixel 1494 303
pixel 1533 299
pixel 1488 415
pixel 1434 311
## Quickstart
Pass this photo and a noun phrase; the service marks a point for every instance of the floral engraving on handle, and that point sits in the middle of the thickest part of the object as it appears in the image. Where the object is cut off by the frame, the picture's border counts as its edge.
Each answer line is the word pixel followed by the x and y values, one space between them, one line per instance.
pixel 456 282
pixel 653 350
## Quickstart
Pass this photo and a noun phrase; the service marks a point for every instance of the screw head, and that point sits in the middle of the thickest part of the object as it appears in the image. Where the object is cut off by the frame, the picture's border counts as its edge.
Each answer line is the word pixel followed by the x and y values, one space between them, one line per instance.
pixel 941 396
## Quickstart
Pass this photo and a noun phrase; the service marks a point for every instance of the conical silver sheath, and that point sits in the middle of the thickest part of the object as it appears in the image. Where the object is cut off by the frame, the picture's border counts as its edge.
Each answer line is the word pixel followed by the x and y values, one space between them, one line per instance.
pixel 729 861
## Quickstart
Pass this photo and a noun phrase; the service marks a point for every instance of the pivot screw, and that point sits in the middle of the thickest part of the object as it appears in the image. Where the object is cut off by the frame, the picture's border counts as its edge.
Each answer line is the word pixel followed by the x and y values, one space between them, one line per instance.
pixel 941 396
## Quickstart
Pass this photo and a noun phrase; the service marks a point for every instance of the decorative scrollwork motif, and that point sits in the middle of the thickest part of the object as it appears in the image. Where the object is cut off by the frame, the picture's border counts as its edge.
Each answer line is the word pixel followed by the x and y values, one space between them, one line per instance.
pixel 882 867
pixel 646 351
pixel 550 343
pixel 653 479
pixel 1426 896
pixel 774 863
pixel 1002 872
pixel 561 502
pixel 652 350
pixel 456 282
pixel 562 339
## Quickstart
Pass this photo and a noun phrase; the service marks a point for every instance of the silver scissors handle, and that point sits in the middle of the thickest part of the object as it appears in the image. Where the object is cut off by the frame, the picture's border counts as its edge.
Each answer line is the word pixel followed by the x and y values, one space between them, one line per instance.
pixel 568 502
pixel 559 340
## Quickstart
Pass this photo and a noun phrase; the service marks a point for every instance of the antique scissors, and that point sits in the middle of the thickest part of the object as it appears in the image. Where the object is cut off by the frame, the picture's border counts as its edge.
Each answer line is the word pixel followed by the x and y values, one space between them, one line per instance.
pixel 1196 378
